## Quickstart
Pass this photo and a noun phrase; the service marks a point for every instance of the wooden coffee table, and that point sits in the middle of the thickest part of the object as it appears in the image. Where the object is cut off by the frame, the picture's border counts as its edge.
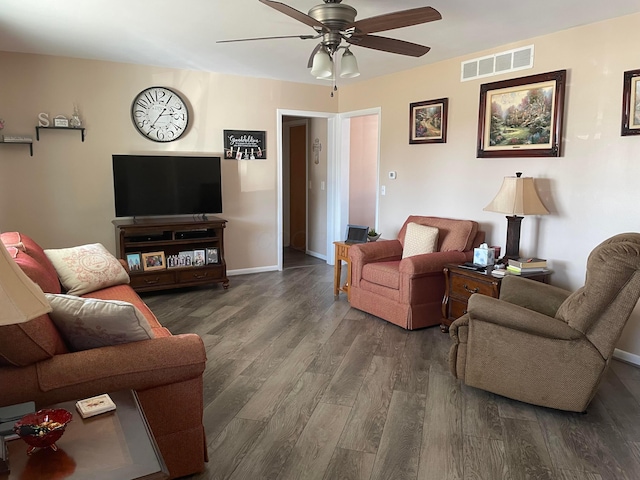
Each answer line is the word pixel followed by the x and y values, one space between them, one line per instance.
pixel 113 445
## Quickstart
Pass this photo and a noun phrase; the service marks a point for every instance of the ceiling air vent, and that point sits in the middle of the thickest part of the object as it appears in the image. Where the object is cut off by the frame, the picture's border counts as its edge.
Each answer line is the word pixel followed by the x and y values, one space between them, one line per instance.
pixel 503 62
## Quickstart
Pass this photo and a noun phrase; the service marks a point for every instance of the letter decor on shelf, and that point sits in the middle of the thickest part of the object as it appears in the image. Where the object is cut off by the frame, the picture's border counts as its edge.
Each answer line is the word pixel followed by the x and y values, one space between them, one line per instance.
pixel 245 145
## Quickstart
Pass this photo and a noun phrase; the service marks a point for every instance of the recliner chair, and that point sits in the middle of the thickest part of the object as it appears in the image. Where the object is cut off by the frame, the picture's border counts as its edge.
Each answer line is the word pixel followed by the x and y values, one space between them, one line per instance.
pixel 544 345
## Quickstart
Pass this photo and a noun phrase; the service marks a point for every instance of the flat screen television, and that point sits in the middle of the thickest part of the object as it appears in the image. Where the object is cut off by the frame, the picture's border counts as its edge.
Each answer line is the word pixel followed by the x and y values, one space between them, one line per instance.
pixel 159 185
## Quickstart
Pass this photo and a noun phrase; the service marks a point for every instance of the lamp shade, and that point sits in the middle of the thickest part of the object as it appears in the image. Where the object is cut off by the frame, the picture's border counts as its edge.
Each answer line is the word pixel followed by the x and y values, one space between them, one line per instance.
pixel 321 66
pixel 349 65
pixel 517 196
pixel 20 298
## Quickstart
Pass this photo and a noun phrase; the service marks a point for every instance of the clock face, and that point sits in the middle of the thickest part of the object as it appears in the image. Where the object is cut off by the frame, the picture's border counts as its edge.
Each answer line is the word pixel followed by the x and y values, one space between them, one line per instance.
pixel 160 114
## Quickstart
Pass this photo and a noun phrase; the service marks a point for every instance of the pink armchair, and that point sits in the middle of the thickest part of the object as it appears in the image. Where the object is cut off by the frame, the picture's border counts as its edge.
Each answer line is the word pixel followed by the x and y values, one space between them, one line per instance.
pixel 409 291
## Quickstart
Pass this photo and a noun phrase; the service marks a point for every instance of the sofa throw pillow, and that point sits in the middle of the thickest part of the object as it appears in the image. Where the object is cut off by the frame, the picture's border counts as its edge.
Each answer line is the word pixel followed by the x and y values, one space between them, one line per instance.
pixel 87 323
pixel 87 268
pixel 419 239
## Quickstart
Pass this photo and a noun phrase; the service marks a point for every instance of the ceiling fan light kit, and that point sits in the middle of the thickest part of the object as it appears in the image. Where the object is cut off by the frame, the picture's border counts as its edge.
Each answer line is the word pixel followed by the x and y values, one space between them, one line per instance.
pixel 334 22
pixel 349 65
pixel 322 65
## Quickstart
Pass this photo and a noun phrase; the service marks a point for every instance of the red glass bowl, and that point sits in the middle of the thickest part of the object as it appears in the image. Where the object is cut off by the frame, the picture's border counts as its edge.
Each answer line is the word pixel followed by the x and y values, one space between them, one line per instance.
pixel 39 419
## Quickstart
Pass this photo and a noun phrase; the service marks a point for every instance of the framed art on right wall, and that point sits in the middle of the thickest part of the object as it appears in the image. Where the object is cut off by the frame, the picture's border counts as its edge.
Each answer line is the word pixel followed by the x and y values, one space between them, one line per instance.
pixel 522 117
pixel 631 103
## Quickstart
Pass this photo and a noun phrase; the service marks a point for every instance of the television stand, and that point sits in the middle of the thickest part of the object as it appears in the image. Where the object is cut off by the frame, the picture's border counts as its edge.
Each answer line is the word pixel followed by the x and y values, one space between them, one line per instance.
pixel 173 237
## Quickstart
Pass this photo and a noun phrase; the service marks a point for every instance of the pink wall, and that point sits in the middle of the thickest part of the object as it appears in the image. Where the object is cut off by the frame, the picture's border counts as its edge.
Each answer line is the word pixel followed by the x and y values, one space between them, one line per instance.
pixel 363 170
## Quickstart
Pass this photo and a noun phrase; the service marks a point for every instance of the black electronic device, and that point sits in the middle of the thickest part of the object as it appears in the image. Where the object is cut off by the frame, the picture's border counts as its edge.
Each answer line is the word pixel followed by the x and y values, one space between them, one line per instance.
pixel 356 234
pixel 204 233
pixel 154 237
pixel 158 185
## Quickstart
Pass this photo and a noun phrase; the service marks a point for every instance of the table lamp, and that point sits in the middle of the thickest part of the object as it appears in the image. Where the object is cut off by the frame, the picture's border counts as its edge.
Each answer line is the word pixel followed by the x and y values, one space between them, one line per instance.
pixel 517 197
pixel 20 298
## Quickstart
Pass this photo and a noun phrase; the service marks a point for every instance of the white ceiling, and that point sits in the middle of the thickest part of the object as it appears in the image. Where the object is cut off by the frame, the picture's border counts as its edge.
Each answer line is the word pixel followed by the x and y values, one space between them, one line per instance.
pixel 183 34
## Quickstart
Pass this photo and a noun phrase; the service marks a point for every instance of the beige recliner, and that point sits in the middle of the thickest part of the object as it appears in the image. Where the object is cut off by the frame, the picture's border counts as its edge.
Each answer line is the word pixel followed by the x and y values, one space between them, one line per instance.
pixel 546 346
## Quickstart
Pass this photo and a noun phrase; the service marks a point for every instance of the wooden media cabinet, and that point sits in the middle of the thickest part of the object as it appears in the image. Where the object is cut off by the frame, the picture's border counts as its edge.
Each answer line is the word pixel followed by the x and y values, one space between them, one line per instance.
pixel 172 237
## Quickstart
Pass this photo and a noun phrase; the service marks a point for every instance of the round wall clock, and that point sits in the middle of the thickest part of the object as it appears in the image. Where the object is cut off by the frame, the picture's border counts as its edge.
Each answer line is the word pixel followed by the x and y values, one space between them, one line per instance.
pixel 160 114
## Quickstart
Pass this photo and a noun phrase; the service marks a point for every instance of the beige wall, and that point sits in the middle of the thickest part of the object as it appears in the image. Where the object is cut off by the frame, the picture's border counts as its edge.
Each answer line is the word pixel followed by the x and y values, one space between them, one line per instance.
pixel 63 195
pixel 317 198
pixel 591 190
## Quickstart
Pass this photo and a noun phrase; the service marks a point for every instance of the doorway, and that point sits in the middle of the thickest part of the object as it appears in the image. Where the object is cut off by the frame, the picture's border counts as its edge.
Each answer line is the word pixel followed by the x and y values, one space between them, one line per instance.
pixel 327 178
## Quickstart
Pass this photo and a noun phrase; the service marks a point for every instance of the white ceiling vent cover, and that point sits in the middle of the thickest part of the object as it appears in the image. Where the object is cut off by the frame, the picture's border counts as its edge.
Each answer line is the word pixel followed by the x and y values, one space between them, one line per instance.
pixel 503 62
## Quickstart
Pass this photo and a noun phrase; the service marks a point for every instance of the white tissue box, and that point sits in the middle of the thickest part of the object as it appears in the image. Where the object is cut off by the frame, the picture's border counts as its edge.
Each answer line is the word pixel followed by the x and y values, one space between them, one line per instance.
pixel 483 256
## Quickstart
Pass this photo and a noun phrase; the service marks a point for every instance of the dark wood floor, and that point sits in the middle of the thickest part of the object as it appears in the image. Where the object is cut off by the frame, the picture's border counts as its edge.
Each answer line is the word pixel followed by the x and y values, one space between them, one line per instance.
pixel 299 386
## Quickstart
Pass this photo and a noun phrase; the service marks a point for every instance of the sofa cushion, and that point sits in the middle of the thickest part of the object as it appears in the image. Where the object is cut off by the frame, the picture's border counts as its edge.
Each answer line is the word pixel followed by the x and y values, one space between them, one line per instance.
pixel 127 294
pixel 87 323
pixel 30 342
pixel 386 274
pixel 419 239
pixel 87 268
pixel 32 259
pixel 454 235
pixel 46 280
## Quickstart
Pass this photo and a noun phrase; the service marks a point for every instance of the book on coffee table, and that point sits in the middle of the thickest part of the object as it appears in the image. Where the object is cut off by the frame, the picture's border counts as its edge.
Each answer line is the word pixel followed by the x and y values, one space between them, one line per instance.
pixel 95 405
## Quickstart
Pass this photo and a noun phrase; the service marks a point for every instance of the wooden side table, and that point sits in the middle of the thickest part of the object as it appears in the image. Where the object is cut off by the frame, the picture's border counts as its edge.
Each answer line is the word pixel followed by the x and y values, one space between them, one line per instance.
pixel 461 283
pixel 342 254
pixel 117 444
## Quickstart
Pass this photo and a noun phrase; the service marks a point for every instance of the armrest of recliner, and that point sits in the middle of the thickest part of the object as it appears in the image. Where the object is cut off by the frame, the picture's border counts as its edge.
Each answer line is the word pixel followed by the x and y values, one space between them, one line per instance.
pixel 492 310
pixel 429 262
pixel 538 296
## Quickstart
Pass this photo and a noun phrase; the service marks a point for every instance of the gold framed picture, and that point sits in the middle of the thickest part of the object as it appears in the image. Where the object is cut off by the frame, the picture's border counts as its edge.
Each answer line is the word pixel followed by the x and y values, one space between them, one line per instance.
pixel 153 261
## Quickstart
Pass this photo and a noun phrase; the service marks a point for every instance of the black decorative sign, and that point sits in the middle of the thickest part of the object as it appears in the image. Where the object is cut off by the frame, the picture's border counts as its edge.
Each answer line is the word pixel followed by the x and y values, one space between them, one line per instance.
pixel 245 145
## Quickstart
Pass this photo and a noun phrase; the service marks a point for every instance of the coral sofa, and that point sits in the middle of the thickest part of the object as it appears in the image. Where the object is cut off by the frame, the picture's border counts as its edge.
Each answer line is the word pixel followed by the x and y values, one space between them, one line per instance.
pixel 165 371
pixel 408 291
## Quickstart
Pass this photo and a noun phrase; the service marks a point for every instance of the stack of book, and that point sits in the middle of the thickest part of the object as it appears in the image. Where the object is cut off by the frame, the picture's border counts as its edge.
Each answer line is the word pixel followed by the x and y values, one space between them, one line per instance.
pixel 522 266
pixel 17 139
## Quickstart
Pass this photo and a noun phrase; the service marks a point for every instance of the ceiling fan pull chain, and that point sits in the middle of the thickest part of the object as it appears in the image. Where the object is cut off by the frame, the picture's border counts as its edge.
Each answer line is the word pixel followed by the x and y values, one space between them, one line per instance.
pixel 335 72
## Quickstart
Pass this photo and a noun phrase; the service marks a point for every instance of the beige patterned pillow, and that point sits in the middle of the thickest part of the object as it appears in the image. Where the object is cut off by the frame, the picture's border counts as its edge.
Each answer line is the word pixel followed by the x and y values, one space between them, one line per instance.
pixel 87 323
pixel 87 268
pixel 419 239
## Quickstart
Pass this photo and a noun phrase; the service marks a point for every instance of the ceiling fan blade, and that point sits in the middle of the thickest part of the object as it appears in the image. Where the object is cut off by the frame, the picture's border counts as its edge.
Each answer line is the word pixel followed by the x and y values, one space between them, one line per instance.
pixel 390 21
pixel 301 37
pixel 390 45
pixel 296 14
pixel 315 50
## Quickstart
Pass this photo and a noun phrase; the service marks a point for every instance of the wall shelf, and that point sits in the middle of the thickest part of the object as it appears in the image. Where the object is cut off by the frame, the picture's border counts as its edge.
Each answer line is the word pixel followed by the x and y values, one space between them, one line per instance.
pixel 81 129
pixel 20 143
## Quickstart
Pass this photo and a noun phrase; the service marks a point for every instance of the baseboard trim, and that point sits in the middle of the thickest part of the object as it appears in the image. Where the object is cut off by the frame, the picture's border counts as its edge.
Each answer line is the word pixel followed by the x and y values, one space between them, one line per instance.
pixel 626 357
pixel 316 255
pixel 246 271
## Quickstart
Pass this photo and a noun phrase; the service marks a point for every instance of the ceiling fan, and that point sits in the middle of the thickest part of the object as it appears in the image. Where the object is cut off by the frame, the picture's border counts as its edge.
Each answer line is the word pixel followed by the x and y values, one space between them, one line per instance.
pixel 335 22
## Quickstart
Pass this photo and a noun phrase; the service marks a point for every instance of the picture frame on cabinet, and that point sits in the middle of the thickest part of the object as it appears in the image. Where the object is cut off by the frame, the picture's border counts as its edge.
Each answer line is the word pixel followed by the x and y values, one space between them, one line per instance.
pixel 212 256
pixel 631 103
pixel 199 258
pixel 134 262
pixel 428 121
pixel 522 117
pixel 185 258
pixel 153 261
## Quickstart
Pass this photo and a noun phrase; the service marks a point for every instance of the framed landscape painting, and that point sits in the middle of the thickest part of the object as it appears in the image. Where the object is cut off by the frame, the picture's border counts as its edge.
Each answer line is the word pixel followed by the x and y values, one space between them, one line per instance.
pixel 522 117
pixel 631 103
pixel 428 121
